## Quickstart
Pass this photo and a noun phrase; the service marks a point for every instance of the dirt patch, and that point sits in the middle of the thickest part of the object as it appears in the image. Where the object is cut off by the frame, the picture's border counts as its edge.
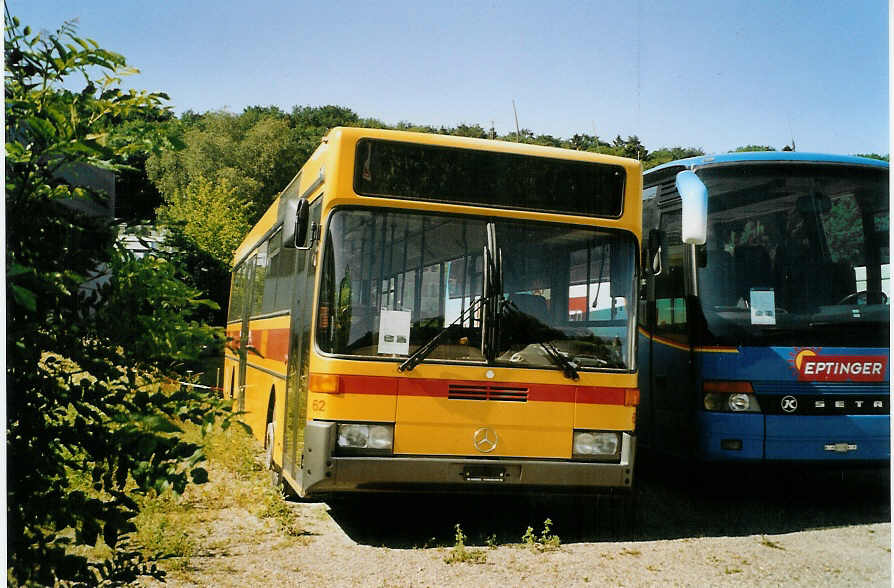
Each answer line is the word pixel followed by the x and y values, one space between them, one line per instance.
pixel 724 529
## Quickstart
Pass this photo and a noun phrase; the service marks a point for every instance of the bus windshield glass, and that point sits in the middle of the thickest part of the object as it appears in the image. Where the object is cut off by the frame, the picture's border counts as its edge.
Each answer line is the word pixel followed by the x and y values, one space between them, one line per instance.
pixel 796 254
pixel 393 280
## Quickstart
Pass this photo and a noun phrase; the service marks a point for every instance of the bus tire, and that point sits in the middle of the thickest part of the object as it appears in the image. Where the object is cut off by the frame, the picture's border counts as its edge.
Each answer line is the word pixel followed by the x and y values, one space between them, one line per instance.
pixel 275 474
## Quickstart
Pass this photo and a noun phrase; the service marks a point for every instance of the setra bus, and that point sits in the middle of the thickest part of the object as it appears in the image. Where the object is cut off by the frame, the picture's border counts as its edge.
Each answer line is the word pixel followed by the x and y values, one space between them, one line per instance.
pixel 764 320
pixel 401 318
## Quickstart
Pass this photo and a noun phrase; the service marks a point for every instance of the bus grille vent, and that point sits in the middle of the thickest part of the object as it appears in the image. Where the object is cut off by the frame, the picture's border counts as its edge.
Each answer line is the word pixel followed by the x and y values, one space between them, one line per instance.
pixel 485 392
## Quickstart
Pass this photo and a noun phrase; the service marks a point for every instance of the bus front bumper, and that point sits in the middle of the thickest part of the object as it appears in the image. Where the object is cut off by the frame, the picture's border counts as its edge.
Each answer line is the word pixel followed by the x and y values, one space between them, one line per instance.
pixel 321 471
pixel 787 438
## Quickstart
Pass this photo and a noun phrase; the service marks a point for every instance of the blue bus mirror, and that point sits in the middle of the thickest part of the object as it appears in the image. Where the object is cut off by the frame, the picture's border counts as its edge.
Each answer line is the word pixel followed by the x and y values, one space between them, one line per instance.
pixel 694 195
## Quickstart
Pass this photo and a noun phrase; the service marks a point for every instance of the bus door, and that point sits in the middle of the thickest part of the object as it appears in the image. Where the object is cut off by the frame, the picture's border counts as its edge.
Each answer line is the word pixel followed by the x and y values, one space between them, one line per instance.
pixel 672 393
pixel 302 281
pixel 245 342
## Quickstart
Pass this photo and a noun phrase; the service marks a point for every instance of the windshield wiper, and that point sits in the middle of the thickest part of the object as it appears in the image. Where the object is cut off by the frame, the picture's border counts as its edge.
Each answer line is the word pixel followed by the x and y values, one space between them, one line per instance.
pixel 569 368
pixel 430 345
pixel 491 301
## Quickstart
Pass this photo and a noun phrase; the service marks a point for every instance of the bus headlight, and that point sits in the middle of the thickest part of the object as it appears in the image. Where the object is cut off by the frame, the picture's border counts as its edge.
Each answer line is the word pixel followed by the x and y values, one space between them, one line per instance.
pixel 723 396
pixel 373 438
pixel 739 402
pixel 596 444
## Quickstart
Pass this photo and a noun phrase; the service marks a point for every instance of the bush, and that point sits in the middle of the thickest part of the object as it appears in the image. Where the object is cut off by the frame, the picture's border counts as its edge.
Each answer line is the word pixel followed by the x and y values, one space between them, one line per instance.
pixel 90 424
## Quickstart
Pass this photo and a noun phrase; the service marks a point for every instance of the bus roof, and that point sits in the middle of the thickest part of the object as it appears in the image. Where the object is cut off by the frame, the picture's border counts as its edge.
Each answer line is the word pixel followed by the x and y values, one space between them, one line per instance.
pixel 780 156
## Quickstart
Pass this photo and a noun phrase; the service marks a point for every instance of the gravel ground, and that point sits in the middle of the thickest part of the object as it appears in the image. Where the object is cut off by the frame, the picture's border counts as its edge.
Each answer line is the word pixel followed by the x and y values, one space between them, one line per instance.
pixel 721 529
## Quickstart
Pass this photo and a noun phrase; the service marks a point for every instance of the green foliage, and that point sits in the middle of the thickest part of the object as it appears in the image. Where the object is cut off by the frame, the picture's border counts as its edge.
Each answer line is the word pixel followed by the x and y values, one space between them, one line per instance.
pixel 150 292
pixel 223 173
pixel 630 147
pixel 585 142
pixel 459 553
pixel 474 131
pixel 752 148
pixel 844 230
pixel 89 332
pixel 546 541
pixel 875 156
pixel 172 527
pixel 210 215
pixel 666 154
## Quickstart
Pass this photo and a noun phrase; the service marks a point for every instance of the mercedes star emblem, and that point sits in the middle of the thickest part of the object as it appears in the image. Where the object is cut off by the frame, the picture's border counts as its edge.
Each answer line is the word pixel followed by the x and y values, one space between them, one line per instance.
pixel 485 440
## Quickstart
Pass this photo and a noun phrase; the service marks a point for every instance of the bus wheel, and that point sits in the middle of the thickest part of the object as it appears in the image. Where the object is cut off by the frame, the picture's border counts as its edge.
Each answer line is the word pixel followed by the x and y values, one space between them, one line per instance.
pixel 275 475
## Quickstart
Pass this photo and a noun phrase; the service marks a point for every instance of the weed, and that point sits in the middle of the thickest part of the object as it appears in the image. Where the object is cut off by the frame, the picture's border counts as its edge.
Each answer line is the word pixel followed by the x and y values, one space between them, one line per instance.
pixel 528 538
pixel 491 541
pixel 547 541
pixel 460 554
pixel 729 571
pixel 167 524
pixel 162 528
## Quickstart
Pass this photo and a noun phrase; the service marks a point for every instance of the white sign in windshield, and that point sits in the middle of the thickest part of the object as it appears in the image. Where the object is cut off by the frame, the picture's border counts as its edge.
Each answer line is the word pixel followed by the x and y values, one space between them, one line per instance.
pixel 394 332
pixel 763 306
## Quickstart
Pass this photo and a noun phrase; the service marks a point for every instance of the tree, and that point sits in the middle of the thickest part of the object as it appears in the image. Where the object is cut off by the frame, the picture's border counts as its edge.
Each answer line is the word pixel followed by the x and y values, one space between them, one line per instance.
pixel 88 425
pixel 585 142
pixel 666 154
pixel 630 147
pixel 463 130
pixel 875 156
pixel 210 215
pixel 223 171
pixel 747 148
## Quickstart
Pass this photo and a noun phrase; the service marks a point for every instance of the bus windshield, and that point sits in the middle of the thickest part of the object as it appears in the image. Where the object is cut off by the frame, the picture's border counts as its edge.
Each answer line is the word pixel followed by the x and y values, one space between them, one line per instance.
pixel 392 280
pixel 796 254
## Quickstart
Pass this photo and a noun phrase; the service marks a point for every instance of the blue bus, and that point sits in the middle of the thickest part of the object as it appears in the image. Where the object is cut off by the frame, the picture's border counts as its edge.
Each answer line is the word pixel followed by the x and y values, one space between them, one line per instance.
pixel 765 309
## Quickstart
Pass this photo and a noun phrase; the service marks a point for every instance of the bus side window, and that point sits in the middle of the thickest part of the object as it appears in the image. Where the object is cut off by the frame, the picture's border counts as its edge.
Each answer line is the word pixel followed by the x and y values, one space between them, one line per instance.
pixel 237 293
pixel 259 280
pixel 670 298
pixel 272 276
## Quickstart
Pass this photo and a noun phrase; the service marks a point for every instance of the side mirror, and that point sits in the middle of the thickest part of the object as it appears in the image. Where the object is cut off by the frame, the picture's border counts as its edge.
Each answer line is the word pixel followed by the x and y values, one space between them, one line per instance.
pixel 295 224
pixel 652 261
pixel 694 195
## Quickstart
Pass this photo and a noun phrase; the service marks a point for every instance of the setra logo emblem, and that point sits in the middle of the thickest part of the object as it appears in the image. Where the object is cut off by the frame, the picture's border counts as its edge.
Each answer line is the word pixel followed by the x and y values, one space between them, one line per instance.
pixel 789 403
pixel 485 440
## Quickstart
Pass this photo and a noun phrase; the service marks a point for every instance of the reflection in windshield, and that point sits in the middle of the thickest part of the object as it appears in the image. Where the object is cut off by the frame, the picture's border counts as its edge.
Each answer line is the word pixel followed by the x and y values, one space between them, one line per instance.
pixel 394 280
pixel 793 248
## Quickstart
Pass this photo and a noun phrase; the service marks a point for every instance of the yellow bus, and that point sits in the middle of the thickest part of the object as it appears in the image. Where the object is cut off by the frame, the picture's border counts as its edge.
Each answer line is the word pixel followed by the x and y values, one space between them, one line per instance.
pixel 427 312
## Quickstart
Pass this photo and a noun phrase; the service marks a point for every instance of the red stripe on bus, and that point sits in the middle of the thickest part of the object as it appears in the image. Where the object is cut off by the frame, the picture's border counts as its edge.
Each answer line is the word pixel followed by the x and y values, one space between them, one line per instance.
pixel 594 395
pixel 380 385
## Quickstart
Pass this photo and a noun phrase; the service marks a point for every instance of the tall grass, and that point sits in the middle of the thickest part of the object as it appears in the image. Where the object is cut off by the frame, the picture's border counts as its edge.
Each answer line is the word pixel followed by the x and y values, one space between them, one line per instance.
pixel 169 525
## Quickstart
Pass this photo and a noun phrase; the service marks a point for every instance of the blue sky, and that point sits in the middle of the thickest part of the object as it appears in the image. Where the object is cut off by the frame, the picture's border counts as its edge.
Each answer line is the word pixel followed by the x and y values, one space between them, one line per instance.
pixel 715 75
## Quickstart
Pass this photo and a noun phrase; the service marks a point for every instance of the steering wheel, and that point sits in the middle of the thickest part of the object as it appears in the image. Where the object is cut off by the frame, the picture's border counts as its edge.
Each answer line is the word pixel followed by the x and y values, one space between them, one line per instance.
pixel 855 298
